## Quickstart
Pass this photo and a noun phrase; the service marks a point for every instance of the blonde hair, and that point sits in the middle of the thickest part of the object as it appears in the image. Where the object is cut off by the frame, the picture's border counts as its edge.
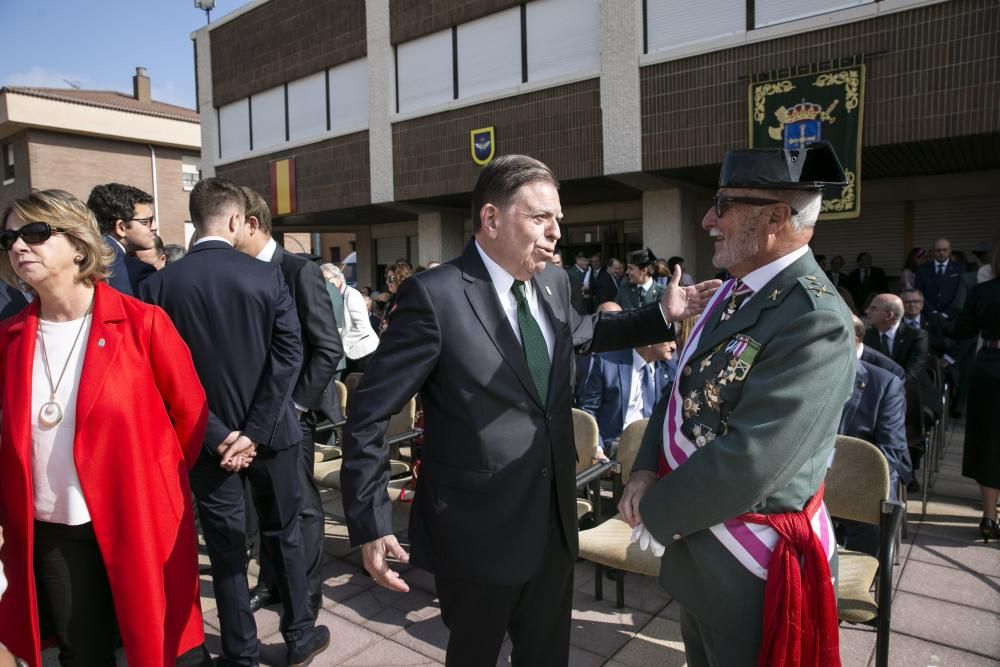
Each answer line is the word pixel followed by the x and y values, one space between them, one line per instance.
pixel 70 217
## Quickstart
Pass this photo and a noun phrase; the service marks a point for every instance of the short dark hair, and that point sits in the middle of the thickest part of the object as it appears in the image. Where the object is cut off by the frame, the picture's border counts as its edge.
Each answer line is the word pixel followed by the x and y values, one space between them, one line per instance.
pixel 158 244
pixel 500 180
pixel 211 196
pixel 258 208
pixel 862 254
pixel 173 252
pixel 112 202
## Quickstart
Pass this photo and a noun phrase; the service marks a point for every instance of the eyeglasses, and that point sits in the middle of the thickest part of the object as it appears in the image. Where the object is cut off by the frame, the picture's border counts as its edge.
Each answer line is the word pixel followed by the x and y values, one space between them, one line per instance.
pixel 33 233
pixel 913 303
pixel 145 222
pixel 389 278
pixel 722 202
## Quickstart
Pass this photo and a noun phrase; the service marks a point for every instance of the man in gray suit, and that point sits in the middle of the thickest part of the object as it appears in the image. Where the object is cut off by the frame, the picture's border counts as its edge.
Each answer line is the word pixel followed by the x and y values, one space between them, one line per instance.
pixel 730 471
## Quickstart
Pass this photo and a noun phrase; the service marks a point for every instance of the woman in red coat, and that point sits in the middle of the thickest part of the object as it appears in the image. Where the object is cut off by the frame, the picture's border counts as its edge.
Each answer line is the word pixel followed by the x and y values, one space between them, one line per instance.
pixel 103 415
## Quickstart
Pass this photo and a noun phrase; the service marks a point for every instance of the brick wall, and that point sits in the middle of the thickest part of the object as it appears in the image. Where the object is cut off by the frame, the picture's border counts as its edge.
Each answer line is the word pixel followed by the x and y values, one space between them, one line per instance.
pixel 560 126
pixel 282 41
pixel 76 164
pixel 932 72
pixel 409 19
pixel 329 174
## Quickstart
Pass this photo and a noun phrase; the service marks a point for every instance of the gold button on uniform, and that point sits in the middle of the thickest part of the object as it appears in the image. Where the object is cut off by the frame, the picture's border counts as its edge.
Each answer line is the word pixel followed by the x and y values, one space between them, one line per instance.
pixel 677 536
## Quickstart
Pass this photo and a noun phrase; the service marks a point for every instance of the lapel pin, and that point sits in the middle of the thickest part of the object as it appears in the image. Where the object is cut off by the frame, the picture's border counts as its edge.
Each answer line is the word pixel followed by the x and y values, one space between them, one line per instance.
pixel 774 295
pixel 548 291
pixel 100 342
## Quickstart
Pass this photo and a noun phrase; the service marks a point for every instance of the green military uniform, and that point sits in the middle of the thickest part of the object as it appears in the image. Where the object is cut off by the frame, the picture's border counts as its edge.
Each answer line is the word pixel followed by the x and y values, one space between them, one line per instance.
pixel 765 421
pixel 632 296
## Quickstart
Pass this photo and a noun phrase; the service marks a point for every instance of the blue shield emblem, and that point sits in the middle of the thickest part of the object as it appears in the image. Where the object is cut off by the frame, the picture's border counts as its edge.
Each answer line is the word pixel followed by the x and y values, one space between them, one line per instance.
pixel 482 145
pixel 801 133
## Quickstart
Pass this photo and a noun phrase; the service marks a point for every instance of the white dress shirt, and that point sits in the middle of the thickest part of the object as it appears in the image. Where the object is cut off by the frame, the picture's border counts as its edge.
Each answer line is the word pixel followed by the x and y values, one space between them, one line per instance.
pixel 267 252
pixel 502 283
pixel 891 333
pixel 758 278
pixel 635 402
pixel 204 239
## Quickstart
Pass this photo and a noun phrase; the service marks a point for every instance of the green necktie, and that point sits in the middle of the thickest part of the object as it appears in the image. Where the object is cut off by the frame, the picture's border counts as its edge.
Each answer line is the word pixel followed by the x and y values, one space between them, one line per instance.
pixel 536 352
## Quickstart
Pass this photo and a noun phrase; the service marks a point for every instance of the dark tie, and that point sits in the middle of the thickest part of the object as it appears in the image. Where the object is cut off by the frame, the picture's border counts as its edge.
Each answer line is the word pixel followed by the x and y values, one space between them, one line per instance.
pixel 648 390
pixel 536 352
pixel 741 292
pixel 913 324
pixel 885 345
pixel 940 269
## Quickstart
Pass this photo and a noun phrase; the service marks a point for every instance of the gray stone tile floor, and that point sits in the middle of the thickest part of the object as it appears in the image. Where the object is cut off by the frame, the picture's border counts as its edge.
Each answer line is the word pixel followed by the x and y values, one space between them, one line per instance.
pixel 946 608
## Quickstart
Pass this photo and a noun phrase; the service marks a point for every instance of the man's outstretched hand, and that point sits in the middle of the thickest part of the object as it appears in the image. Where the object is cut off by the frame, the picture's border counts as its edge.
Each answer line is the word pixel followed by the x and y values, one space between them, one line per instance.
pixel 681 302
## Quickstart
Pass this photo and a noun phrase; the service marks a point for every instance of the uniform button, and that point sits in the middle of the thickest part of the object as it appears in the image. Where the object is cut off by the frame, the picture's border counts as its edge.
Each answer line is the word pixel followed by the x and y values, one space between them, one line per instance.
pixel 545 471
pixel 687 371
pixel 677 536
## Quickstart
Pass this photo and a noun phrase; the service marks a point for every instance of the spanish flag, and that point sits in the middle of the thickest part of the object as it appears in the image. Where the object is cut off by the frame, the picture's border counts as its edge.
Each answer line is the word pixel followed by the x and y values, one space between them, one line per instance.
pixel 283 186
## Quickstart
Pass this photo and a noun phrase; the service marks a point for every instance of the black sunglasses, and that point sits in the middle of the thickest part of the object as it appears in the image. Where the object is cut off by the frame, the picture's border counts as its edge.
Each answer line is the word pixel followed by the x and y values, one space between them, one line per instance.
pixel 722 202
pixel 33 233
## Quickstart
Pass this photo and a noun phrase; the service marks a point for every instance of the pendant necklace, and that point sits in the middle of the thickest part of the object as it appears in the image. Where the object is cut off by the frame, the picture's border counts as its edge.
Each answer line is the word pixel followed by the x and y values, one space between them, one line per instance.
pixel 51 413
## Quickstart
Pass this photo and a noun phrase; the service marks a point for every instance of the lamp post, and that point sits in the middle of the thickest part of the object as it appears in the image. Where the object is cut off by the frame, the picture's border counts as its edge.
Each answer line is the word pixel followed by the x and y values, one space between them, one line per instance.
pixel 207 6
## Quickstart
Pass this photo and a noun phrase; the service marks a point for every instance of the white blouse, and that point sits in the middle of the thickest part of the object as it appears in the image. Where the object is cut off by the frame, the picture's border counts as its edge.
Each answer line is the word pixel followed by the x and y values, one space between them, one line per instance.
pixel 58 495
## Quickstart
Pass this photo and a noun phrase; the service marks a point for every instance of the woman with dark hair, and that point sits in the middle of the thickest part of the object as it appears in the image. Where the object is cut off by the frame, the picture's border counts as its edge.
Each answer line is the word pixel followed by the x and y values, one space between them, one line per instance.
pixel 103 415
pixel 395 274
pixel 981 455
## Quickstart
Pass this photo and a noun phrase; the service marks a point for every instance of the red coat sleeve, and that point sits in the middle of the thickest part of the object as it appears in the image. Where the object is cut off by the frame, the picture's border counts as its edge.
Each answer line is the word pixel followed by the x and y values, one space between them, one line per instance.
pixel 180 388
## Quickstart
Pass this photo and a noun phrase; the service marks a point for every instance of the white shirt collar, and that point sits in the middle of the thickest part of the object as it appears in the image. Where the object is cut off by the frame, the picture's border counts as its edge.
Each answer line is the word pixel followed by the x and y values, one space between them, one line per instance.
pixel 758 278
pixel 638 363
pixel 502 281
pixel 267 252
pixel 891 333
pixel 646 285
pixel 203 239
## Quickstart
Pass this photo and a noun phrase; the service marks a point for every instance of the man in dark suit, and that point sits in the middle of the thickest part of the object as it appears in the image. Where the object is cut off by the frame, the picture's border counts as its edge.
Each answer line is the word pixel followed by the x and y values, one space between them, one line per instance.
pixel 11 301
pixel 905 345
pixel 314 394
pixel 872 356
pixel 608 282
pixel 916 316
pixel 866 280
pixel 577 277
pixel 125 217
pixel 834 274
pixel 940 281
pixel 487 340
pixel 623 387
pixel 237 317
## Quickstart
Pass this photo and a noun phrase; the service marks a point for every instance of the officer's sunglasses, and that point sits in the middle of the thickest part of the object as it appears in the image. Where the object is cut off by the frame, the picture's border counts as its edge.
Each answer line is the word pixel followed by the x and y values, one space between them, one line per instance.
pixel 722 202
pixel 33 233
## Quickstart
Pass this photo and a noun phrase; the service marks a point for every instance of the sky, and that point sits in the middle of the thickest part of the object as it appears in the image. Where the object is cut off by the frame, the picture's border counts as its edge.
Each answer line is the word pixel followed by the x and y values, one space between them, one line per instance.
pixel 97 44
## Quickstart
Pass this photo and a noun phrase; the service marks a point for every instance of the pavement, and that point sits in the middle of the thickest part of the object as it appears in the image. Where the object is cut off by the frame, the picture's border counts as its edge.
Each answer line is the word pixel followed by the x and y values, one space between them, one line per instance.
pixel 946 605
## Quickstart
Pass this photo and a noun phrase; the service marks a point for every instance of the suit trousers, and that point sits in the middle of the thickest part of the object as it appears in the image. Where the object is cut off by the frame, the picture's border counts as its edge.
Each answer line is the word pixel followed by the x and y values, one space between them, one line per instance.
pixel 311 517
pixel 708 647
pixel 536 613
pixel 276 489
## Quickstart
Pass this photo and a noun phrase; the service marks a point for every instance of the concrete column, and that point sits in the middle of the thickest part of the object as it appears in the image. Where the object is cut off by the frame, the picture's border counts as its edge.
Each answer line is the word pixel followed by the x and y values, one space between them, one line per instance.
pixel 364 248
pixel 440 236
pixel 380 100
pixel 206 106
pixel 621 45
pixel 670 225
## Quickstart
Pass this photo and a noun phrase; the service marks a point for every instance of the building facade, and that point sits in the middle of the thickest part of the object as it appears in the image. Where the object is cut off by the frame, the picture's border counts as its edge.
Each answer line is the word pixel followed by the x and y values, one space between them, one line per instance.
pixel 75 139
pixel 363 115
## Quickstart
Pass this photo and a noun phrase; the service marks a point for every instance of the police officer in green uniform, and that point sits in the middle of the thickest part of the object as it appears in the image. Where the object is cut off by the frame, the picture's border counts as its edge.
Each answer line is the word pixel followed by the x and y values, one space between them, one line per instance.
pixel 641 288
pixel 752 418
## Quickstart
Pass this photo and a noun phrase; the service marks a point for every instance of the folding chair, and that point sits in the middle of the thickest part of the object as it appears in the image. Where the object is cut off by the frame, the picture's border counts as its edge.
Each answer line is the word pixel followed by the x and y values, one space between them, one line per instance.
pixel 857 488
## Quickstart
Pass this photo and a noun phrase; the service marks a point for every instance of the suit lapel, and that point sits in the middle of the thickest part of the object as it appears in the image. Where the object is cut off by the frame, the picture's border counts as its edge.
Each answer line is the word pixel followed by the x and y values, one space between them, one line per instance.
pixel 851 406
pixel 483 299
pixel 625 379
pixel 101 351
pixel 562 339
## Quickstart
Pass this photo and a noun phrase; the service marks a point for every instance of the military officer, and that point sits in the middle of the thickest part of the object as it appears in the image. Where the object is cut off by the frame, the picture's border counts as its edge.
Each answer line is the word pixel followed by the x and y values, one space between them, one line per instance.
pixel 641 289
pixel 729 475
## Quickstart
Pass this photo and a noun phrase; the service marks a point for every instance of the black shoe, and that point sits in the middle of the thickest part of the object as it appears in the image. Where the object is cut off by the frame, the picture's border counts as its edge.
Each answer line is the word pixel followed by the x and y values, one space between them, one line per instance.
pixel 311 644
pixel 988 528
pixel 261 596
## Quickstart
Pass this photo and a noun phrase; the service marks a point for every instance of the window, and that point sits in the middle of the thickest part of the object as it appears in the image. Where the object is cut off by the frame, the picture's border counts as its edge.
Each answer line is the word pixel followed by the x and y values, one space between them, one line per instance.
pixel 349 95
pixel 564 38
pixel 190 173
pixel 771 12
pixel 8 163
pixel 268 118
pixel 307 107
pixel 424 72
pixel 482 69
pixel 671 23
pixel 234 129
